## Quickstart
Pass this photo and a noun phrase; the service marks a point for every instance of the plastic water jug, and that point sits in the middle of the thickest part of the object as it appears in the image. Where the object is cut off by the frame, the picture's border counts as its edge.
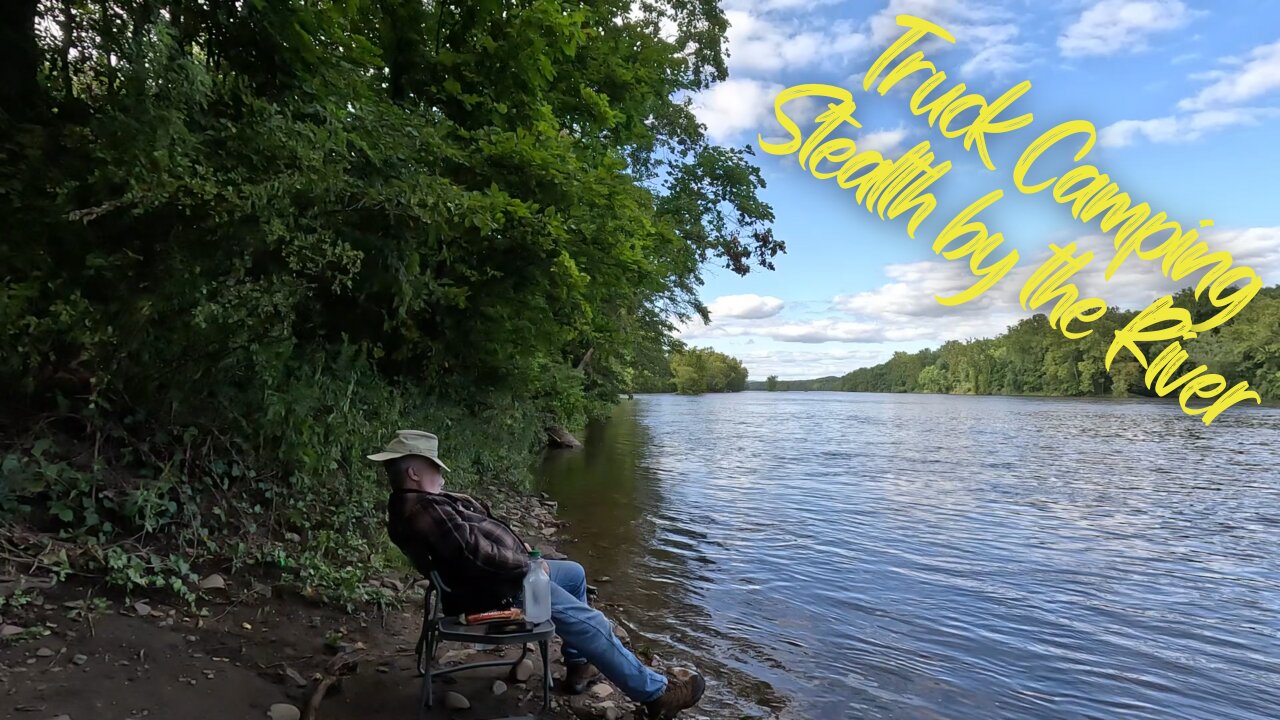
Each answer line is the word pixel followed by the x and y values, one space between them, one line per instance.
pixel 537 591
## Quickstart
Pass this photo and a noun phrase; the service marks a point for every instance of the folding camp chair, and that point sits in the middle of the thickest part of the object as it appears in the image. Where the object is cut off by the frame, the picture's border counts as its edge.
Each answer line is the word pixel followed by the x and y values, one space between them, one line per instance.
pixel 437 627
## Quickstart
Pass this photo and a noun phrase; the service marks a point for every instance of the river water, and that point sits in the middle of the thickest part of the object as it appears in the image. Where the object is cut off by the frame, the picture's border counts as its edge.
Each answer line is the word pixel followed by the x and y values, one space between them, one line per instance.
pixel 841 555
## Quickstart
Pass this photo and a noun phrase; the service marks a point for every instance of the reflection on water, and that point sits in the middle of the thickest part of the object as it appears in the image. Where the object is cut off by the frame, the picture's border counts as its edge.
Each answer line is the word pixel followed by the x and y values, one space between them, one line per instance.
pixel 830 555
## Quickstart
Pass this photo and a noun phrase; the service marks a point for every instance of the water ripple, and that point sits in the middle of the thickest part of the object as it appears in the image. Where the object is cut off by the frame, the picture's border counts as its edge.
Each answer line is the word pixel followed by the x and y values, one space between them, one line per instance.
pixel 886 556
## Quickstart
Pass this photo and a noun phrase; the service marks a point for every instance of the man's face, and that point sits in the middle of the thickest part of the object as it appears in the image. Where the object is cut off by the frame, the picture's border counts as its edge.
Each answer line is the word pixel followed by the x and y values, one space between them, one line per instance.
pixel 426 472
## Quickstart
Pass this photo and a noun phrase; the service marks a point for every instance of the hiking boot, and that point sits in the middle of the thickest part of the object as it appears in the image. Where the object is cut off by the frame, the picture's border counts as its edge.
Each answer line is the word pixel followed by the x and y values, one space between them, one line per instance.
pixel 578 678
pixel 683 692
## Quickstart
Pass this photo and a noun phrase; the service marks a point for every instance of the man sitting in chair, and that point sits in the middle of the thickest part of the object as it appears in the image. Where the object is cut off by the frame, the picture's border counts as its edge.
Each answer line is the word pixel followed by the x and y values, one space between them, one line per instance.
pixel 483 563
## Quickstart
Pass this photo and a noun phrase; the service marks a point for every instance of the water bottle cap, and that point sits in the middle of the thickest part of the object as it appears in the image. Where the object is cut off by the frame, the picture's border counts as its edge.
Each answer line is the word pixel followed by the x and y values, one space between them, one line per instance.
pixel 535 554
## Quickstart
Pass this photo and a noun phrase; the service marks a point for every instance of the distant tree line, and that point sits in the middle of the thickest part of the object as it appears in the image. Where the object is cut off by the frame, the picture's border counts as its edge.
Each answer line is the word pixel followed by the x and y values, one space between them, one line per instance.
pixel 1032 358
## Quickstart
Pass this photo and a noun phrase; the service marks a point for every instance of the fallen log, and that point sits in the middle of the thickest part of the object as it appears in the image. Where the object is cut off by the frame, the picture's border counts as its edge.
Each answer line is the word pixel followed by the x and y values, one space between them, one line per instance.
pixel 560 438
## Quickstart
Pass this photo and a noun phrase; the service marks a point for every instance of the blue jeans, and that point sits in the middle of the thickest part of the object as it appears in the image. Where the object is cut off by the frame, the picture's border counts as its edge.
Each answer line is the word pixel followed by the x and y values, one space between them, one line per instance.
pixel 588 637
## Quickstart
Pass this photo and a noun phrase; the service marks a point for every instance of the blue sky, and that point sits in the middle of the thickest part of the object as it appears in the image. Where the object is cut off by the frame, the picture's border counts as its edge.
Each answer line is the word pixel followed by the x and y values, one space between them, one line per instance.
pixel 1185 94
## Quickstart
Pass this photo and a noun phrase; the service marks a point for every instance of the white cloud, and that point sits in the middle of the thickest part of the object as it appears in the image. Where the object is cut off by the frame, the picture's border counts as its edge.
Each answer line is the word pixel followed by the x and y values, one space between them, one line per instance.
pixel 999 59
pixel 967 21
pixel 767 37
pixel 1138 282
pixel 745 306
pixel 811 331
pixel 982 29
pixel 1111 27
pixel 735 105
pixel 1180 128
pixel 767 43
pixel 762 6
pixel 909 306
pixel 821 331
pixel 885 142
pixel 1213 108
pixel 1258 75
pixel 908 303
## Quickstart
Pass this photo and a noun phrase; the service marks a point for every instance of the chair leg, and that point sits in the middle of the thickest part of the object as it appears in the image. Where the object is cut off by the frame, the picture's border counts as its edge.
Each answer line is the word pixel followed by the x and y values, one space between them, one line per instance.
pixel 426 650
pixel 544 648
pixel 424 696
pixel 429 665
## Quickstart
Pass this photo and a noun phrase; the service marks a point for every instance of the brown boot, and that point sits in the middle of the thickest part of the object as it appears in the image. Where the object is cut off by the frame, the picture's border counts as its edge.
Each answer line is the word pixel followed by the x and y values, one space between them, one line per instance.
pixel 578 678
pixel 684 690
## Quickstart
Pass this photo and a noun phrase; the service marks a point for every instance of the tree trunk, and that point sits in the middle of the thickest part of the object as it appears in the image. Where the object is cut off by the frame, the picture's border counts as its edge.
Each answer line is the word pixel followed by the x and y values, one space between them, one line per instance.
pixel 19 60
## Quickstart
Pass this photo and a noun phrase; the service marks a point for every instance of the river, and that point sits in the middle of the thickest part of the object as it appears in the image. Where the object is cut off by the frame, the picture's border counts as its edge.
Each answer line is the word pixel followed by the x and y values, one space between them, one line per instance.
pixel 918 557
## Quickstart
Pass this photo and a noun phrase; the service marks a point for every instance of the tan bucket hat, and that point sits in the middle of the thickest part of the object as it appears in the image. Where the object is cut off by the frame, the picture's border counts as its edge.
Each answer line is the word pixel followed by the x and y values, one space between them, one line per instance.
pixel 411 442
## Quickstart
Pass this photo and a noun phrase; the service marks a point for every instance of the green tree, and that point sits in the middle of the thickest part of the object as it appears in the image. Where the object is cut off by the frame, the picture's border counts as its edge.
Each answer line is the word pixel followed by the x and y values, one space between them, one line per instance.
pixel 701 370
pixel 270 231
pixel 771 383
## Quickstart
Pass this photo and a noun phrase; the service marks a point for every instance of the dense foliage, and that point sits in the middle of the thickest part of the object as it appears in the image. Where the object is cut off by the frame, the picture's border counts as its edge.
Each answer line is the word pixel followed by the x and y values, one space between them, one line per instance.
pixel 1032 358
pixel 695 371
pixel 246 240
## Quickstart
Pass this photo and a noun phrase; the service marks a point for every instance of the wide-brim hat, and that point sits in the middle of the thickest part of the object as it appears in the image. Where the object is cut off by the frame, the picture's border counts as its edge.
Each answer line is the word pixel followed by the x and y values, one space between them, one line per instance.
pixel 411 442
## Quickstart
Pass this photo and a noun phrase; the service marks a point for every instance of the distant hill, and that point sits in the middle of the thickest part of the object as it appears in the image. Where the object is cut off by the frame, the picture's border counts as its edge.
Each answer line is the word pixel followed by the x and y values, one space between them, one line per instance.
pixel 831 382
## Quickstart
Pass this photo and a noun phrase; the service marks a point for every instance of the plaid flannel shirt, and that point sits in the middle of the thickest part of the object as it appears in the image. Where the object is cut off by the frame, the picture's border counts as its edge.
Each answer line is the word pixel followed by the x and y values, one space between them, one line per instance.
pixel 480 559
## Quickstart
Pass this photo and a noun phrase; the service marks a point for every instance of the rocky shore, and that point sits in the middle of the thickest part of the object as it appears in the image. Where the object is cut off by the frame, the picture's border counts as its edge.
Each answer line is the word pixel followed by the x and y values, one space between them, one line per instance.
pixel 69 651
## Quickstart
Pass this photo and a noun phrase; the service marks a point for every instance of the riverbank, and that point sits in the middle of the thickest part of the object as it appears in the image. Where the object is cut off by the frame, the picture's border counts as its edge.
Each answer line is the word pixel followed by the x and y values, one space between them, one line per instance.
pixel 251 648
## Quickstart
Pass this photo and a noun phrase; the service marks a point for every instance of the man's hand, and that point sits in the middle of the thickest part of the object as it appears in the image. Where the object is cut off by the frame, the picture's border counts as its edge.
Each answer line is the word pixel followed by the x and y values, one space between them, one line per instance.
pixel 545 567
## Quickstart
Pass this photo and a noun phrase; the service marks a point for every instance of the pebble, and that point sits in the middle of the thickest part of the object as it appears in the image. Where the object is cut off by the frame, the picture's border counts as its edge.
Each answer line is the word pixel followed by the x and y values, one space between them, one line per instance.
pixel 293 537
pixel 284 711
pixel 499 687
pixel 456 655
pixel 295 676
pixel 44 652
pixel 62 717
pixel 11 630
pixel 142 609
pixel 213 582
pixel 601 690
pixel 524 670
pixel 79 659
pixel 548 531
pixel 455 701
